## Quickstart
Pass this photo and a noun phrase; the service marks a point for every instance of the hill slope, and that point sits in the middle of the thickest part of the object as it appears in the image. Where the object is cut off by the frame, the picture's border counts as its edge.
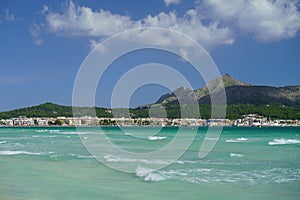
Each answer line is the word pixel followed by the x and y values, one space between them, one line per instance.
pixel 238 92
pixel 51 110
pixel 242 98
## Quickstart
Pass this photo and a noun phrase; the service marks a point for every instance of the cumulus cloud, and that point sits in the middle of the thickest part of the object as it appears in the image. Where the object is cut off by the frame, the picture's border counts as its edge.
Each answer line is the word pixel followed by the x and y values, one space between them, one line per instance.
pixel 267 20
pixel 169 2
pixel 211 22
pixel 83 21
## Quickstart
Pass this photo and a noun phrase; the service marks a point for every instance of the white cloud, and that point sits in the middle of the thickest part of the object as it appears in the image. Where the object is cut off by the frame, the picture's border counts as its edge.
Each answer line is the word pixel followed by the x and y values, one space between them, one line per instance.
pixel 211 23
pixel 9 16
pixel 169 2
pixel 35 31
pixel 267 20
pixel 6 15
pixel 44 10
pixel 83 21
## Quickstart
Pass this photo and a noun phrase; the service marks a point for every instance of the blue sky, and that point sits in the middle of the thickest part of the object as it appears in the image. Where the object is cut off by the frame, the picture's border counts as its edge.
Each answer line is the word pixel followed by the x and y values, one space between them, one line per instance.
pixel 43 43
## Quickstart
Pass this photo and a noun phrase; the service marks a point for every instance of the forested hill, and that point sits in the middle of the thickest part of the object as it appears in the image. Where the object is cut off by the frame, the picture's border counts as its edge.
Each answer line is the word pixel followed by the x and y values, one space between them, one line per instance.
pixel 51 110
pixel 242 98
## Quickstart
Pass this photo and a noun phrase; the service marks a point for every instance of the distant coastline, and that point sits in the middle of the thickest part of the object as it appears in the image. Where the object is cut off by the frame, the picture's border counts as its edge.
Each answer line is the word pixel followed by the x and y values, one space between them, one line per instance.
pixel 250 120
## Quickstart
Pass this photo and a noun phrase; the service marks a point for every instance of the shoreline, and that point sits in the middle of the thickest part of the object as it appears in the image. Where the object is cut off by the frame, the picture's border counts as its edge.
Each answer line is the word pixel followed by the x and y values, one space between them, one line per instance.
pixel 88 126
pixel 249 120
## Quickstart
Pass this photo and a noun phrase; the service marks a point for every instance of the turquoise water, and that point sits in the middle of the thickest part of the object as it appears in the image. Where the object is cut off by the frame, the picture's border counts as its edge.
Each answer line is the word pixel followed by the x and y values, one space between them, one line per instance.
pixel 246 163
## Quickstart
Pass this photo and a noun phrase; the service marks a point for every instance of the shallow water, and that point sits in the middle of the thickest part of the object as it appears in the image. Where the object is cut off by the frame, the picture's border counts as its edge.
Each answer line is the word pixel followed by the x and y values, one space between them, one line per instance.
pixel 246 163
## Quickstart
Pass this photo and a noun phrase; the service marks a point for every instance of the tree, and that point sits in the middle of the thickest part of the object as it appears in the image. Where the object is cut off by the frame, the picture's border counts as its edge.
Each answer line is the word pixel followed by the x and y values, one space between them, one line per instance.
pixel 58 122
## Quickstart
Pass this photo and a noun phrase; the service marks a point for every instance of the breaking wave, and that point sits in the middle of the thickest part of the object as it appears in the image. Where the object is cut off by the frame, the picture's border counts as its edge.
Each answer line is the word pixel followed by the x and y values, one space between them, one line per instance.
pixel 41 131
pixel 235 155
pixel 111 158
pixel 237 140
pixel 18 153
pixel 149 175
pixel 152 138
pixel 284 141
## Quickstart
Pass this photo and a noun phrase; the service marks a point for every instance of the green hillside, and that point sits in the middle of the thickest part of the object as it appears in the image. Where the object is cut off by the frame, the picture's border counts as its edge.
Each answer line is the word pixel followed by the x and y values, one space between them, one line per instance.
pixel 242 98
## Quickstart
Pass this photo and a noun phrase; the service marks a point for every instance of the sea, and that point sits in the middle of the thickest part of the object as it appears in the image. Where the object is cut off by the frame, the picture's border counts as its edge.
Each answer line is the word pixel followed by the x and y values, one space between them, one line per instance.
pixel 54 163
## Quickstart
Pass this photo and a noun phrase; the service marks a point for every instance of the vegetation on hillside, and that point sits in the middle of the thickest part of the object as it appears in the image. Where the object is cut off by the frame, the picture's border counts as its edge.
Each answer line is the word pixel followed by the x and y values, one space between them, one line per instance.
pixel 234 111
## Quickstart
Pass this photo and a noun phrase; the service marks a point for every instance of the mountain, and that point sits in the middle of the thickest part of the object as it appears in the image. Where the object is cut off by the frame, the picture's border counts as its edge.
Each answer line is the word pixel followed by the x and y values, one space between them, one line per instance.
pixel 242 98
pixel 238 92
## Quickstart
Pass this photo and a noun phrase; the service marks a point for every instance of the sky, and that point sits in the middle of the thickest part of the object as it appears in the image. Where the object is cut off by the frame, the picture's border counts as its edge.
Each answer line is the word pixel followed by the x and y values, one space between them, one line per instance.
pixel 43 43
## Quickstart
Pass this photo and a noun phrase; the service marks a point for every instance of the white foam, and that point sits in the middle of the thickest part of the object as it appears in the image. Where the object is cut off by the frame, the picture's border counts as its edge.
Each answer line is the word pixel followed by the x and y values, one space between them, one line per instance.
pixel 148 174
pixel 3 142
pixel 111 158
pixel 237 140
pixel 154 177
pixel 78 133
pixel 205 175
pixel 185 162
pixel 283 141
pixel 41 131
pixel 235 155
pixel 54 131
pixel 142 172
pixel 213 139
pixel 18 153
pixel 44 136
pixel 153 138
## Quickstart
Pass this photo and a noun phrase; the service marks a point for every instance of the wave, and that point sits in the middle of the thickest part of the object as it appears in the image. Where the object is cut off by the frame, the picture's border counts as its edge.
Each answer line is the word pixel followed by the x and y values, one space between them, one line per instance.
pixel 126 133
pixel 44 136
pixel 18 153
pixel 41 131
pixel 213 139
pixel 76 133
pixel 153 138
pixel 235 155
pixel 154 177
pixel 111 158
pixel 141 171
pixel 3 142
pixel 149 175
pixel 54 131
pixel 80 156
pixel 237 140
pixel 182 162
pixel 283 141
pixel 205 175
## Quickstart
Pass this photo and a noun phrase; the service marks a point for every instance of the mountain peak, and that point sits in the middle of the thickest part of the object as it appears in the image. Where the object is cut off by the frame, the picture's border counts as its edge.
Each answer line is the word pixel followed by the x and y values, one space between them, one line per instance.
pixel 230 81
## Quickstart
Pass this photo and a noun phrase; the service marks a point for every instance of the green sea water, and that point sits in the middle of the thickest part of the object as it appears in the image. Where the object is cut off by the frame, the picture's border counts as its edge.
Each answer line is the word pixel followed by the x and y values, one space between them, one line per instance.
pixel 246 163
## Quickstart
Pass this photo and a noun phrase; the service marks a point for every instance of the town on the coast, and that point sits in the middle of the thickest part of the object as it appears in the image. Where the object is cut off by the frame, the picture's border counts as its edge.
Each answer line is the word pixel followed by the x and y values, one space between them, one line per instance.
pixel 250 120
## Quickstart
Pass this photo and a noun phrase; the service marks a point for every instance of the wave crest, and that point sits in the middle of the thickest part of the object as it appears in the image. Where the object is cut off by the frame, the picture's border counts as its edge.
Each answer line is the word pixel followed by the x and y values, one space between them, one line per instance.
pixel 283 141
pixel 153 138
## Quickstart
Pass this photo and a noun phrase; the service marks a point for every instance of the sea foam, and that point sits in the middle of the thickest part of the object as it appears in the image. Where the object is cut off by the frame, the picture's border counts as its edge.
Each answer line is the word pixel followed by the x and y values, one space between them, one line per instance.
pixel 237 140
pixel 149 175
pixel 112 158
pixel 235 155
pixel 18 153
pixel 283 141
pixel 41 131
pixel 152 138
